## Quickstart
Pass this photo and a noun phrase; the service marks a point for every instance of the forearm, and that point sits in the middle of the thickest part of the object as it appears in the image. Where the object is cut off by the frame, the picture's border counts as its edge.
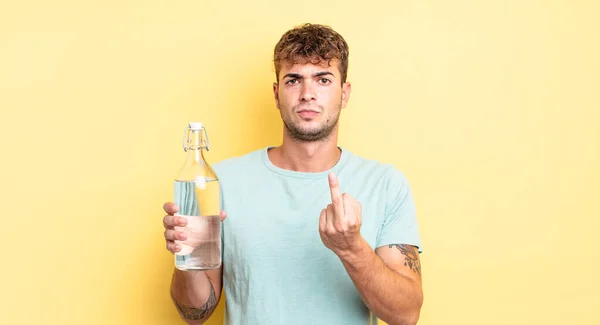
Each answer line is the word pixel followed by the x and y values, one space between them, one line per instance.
pixel 392 297
pixel 194 295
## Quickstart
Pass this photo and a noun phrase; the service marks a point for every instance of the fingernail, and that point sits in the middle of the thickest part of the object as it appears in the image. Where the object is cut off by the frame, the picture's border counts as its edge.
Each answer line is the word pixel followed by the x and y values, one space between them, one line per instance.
pixel 332 177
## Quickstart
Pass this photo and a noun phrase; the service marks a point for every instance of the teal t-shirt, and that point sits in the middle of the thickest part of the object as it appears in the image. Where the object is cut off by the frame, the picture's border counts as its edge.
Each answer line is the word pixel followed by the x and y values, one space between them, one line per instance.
pixel 276 269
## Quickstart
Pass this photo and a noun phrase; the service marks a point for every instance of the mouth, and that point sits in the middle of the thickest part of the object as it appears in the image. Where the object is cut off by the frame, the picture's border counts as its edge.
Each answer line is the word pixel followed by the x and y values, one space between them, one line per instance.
pixel 307 113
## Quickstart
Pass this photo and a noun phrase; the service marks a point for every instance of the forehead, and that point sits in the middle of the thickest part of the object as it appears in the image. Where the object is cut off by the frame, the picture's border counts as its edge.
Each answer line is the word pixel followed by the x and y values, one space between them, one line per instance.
pixel 307 68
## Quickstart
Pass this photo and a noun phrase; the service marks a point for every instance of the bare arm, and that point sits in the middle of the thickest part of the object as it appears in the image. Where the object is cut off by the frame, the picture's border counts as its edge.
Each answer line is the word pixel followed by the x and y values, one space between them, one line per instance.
pixel 194 293
pixel 388 280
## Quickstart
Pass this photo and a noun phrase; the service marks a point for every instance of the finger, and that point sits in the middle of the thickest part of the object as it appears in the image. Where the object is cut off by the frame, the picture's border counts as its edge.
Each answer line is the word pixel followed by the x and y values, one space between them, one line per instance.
pixel 323 221
pixel 331 220
pixel 352 208
pixel 223 215
pixel 173 247
pixel 336 197
pixel 170 208
pixel 359 212
pixel 170 221
pixel 171 235
pixel 334 186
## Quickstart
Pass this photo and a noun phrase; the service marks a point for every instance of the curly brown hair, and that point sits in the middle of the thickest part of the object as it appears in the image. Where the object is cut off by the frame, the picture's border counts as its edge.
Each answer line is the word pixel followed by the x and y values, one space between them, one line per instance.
pixel 311 43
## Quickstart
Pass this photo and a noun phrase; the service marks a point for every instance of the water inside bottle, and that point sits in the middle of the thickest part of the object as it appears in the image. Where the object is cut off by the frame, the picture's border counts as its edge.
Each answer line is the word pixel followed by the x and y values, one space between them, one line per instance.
pixel 199 203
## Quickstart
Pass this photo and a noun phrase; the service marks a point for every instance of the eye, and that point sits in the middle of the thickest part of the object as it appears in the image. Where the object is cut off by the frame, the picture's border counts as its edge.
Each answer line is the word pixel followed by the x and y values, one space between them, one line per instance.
pixel 324 81
pixel 291 82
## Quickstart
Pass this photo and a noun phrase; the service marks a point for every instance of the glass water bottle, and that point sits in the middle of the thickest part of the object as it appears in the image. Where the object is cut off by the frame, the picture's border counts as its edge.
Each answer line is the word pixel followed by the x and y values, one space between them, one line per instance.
pixel 197 196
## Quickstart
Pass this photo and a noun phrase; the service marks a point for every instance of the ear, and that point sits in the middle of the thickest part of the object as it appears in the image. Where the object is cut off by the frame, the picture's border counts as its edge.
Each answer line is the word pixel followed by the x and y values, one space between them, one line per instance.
pixel 346 88
pixel 276 93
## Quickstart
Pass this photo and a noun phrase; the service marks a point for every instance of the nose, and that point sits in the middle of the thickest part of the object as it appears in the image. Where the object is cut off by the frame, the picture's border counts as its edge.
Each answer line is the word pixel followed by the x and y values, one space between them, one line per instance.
pixel 308 92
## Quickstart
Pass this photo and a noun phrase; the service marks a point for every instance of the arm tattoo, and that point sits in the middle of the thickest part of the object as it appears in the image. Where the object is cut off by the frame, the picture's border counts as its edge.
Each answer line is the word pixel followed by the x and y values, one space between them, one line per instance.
pixel 194 313
pixel 411 257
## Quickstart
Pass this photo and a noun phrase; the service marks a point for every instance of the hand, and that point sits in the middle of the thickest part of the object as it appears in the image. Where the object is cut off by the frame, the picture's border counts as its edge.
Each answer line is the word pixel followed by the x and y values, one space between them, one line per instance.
pixel 170 221
pixel 340 222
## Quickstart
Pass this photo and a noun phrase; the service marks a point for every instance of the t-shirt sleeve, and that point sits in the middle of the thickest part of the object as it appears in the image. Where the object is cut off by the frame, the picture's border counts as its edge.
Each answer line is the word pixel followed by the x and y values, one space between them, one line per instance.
pixel 400 220
pixel 222 207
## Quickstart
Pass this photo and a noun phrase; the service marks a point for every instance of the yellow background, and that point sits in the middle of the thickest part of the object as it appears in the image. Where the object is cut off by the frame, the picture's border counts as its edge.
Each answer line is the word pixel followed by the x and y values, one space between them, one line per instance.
pixel 491 109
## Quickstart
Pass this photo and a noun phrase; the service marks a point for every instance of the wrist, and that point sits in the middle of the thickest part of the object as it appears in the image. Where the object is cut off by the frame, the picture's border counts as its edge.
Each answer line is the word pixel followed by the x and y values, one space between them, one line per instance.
pixel 355 252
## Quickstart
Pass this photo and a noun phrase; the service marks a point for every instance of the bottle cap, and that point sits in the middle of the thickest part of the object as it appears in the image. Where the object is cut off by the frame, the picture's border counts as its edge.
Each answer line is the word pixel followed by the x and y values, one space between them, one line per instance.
pixel 195 126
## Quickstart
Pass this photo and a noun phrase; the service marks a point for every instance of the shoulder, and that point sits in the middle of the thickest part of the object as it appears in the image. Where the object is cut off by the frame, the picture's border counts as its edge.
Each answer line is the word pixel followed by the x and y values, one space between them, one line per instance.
pixel 385 172
pixel 382 179
pixel 238 163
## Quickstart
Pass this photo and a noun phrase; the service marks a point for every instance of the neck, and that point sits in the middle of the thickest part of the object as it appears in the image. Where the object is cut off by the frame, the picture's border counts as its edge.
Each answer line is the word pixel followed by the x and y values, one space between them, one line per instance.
pixel 310 157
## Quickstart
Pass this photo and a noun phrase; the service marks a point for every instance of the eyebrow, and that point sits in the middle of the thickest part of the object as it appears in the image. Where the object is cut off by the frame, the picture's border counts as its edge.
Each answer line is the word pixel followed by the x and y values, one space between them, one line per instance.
pixel 318 74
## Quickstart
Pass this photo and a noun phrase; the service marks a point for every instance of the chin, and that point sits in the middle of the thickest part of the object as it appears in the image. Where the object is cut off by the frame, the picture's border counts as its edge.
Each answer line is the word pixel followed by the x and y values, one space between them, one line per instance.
pixel 310 127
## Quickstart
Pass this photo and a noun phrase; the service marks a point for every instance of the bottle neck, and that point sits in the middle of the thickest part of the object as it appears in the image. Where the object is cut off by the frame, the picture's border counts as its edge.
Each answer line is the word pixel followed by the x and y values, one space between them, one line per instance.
pixel 195 166
pixel 195 145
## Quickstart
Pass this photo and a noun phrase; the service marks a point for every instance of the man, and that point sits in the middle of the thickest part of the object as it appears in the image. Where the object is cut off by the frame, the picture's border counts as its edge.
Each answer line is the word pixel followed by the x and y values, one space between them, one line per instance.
pixel 312 234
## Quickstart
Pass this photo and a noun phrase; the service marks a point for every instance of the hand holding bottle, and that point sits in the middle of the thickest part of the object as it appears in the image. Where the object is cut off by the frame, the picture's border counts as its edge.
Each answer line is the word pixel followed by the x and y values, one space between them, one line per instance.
pixel 173 229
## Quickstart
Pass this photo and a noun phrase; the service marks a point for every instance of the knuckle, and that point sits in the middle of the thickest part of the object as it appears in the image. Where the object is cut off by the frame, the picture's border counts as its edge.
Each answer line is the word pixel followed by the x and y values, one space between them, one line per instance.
pixel 338 227
pixel 182 221
pixel 330 230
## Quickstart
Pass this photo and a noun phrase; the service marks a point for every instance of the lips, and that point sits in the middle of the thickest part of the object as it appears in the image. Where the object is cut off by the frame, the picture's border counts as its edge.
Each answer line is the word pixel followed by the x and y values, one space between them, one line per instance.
pixel 307 110
pixel 306 113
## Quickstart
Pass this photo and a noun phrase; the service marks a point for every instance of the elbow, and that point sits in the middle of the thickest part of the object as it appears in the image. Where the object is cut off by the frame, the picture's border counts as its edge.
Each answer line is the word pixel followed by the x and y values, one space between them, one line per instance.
pixel 192 321
pixel 405 319
pixel 408 317
pixel 411 319
pixel 189 321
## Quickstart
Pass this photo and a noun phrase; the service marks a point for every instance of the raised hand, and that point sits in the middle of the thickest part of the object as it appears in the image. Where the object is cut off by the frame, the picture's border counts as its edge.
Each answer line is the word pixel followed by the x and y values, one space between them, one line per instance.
pixel 340 221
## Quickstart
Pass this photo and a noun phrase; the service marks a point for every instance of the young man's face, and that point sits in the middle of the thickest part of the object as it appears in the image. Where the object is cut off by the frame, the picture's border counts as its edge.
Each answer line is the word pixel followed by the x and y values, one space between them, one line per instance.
pixel 309 98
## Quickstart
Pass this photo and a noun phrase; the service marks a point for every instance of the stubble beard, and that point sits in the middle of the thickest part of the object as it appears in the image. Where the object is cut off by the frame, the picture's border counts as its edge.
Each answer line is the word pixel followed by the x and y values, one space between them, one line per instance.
pixel 320 133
